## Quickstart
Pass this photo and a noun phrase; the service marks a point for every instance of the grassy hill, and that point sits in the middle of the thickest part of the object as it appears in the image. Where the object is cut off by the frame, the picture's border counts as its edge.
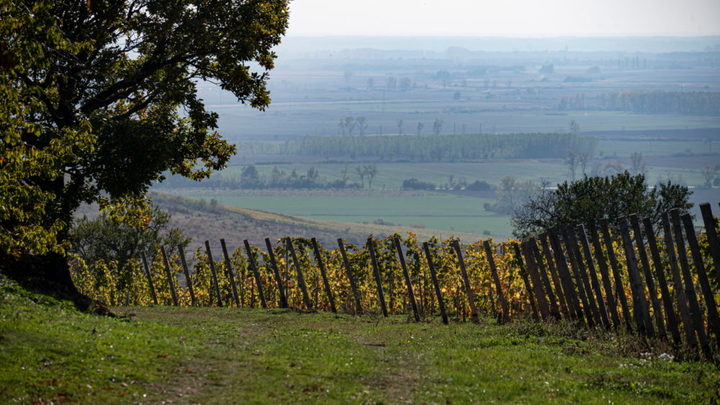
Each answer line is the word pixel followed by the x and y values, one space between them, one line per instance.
pixel 52 354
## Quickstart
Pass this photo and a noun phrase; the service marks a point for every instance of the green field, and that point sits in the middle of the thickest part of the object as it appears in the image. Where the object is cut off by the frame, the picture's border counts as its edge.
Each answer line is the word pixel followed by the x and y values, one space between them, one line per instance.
pixel 429 209
pixel 52 354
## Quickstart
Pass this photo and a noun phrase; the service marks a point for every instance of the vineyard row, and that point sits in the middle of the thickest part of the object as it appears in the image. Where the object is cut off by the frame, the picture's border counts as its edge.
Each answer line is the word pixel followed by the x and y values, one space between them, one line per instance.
pixel 621 276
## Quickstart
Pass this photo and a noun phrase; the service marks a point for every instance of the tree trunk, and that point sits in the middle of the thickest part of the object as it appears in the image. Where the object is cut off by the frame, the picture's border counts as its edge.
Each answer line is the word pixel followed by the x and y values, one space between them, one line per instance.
pixel 49 274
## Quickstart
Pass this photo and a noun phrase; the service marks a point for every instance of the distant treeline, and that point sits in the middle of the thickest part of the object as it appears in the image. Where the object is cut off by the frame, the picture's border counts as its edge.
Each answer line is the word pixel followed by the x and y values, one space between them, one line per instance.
pixel 441 147
pixel 647 102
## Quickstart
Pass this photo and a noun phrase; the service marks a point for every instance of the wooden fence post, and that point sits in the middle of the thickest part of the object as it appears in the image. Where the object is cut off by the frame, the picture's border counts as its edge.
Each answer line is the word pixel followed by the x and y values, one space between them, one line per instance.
pixel 376 273
pixel 595 283
pixel 605 273
pixel 214 273
pixel 351 278
pixel 256 273
pixel 712 236
pixel 710 305
pixel 229 273
pixel 188 280
pixel 505 317
pixel 682 302
pixel 532 269
pixel 436 284
pixel 149 278
pixel 168 272
pixel 547 252
pixel 575 311
pixel 323 274
pixel 657 308
pixel 640 308
pixel 406 275
pixel 672 323
pixel 586 295
pixel 276 272
pixel 528 287
pixel 300 275
pixel 695 313
pixel 554 309
pixel 466 281
pixel 615 266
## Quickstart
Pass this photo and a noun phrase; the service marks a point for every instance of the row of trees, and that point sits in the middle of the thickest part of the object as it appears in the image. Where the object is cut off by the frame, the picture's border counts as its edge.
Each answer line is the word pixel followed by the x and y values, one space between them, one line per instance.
pixel 452 184
pixel 442 148
pixel 647 102
pixel 251 178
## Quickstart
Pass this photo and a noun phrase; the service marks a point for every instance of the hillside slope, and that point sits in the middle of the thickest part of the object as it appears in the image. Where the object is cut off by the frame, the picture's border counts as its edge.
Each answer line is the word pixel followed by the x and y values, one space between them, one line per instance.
pixel 203 222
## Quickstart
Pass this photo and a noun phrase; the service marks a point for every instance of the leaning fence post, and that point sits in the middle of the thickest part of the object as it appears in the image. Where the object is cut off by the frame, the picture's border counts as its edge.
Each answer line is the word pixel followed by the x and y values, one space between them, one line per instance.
pixel 576 312
pixel 256 273
pixel 406 275
pixel 593 276
pixel 229 272
pixel 615 266
pixel 169 277
pixel 658 310
pixel 376 273
pixel 695 313
pixel 351 277
pixel 554 309
pixel 531 289
pixel 300 276
pixel 505 317
pixel 711 306
pixel 640 308
pixel 547 253
pixel 211 262
pixel 149 278
pixel 532 269
pixel 712 236
pixel 276 273
pixel 188 280
pixel 605 273
pixel 682 301
pixel 466 281
pixel 672 323
pixel 436 284
pixel 323 274
pixel 592 314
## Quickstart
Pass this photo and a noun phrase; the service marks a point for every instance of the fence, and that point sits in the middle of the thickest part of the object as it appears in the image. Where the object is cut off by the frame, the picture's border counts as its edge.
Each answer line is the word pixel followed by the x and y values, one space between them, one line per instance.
pixel 620 276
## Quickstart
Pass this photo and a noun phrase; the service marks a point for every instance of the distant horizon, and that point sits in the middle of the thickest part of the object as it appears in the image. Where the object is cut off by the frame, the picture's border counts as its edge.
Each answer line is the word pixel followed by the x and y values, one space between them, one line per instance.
pixel 515 18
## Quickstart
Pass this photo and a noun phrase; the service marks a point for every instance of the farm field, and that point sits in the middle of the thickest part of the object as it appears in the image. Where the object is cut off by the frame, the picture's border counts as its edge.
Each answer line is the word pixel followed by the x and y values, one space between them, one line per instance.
pixel 51 353
pixel 410 209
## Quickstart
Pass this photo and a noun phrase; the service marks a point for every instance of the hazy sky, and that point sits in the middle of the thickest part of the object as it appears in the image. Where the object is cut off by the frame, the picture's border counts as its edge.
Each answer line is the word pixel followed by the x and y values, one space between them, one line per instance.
pixel 505 17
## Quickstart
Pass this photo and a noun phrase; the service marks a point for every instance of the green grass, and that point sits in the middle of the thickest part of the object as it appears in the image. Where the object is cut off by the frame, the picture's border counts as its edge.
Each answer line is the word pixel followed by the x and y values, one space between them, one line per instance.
pixel 432 210
pixel 51 353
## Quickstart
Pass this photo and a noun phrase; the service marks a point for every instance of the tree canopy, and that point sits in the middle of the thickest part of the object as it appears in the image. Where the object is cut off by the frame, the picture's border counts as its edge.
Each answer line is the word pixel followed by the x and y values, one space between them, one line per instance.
pixel 99 98
pixel 592 198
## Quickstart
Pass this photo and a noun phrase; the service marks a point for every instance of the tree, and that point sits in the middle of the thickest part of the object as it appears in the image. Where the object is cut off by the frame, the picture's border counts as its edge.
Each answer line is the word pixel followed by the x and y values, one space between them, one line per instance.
pixel 361 124
pixel 637 163
pixel 709 174
pixel 249 177
pixel 400 127
pixel 370 172
pixel 98 99
pixel 592 198
pixel 360 171
pixel 437 126
pixel 420 126
pixel 109 238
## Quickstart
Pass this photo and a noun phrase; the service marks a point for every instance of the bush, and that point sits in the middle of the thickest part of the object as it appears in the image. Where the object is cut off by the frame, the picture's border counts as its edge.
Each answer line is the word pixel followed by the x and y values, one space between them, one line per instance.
pixel 479 185
pixel 415 184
